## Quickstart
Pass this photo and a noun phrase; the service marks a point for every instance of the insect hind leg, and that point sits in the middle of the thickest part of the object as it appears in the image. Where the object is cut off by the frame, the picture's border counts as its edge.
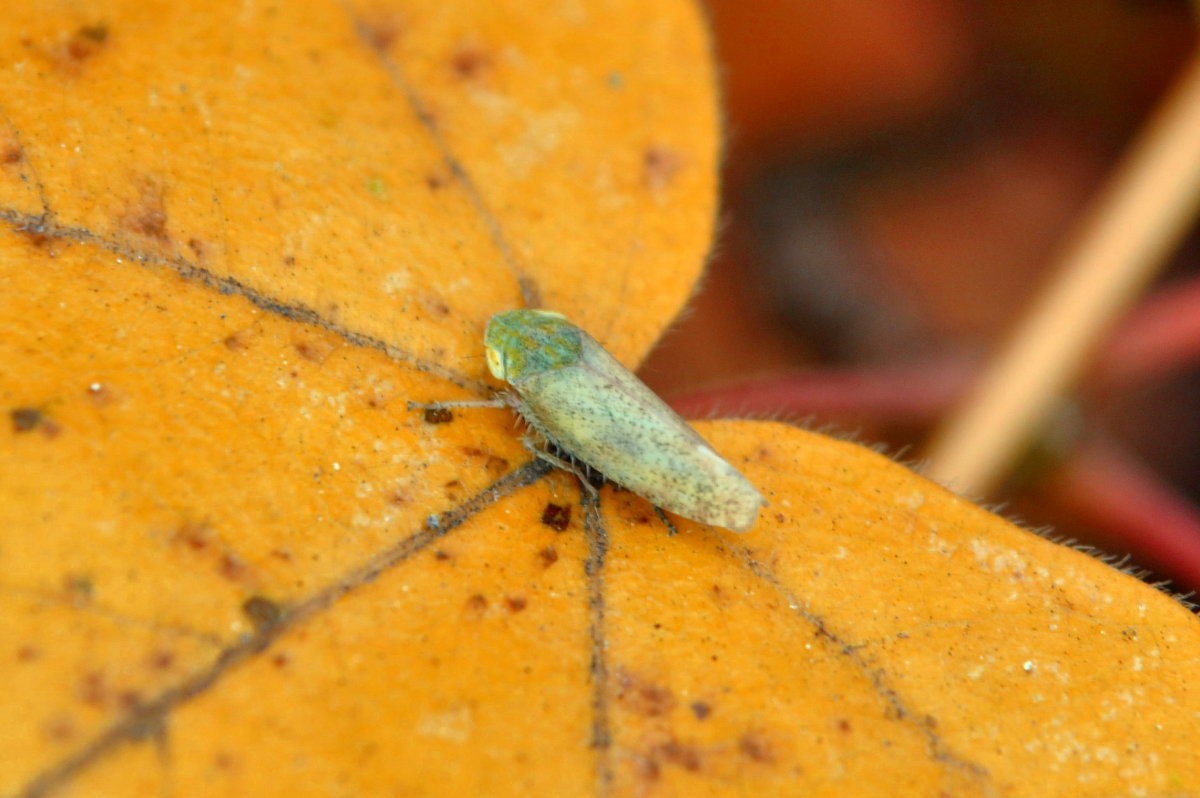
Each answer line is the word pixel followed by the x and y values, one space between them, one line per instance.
pixel 585 479
pixel 566 465
pixel 671 530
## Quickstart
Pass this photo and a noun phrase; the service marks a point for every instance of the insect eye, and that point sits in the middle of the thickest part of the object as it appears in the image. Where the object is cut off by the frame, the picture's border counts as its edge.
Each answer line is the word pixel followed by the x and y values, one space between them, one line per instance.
pixel 495 364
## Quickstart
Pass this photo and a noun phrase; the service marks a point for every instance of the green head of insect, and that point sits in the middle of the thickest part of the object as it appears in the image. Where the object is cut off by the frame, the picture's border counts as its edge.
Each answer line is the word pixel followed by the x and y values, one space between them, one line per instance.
pixel 522 343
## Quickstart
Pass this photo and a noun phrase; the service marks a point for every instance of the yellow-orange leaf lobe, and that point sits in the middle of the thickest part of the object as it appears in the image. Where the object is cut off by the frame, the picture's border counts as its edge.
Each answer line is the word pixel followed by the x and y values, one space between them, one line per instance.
pixel 236 238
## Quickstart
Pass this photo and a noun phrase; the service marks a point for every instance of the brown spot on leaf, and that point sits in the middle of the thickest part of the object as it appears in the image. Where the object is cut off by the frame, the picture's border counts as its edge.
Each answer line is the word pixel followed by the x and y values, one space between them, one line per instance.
pixel 281 660
pixel 436 307
pixel 25 419
pixel 548 556
pixel 93 689
pixel 314 349
pixel 28 653
pixel 441 556
pixel 61 729
pixel 646 767
pixel 73 50
pixel 701 710
pixel 149 220
pixel 97 33
pixel 199 248
pixel 755 747
pixel 642 696
pixel 659 167
pixel 38 238
pixel 470 62
pixel 382 31
pixel 678 754
pixel 195 535
pixel 477 604
pixel 494 465
pixel 649 765
pixel 515 603
pixel 232 567
pixel 720 596
pixel 438 415
pixel 129 700
pixel 28 419
pixel 436 181
pixel 79 589
pixel 262 612
pixel 235 343
pixel 11 152
pixel 556 516
pixel 162 660
pixel 223 760
pixel 147 215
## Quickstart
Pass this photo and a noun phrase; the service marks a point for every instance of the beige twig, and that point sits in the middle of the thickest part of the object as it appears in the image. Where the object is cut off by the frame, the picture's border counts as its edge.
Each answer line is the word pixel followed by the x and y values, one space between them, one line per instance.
pixel 1133 225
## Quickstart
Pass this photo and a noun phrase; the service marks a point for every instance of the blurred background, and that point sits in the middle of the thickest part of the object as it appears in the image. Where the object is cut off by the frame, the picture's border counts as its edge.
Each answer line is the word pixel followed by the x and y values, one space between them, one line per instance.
pixel 899 178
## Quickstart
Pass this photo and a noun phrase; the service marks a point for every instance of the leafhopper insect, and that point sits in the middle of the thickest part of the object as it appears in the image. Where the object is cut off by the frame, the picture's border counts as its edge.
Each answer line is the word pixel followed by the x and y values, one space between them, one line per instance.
pixel 580 398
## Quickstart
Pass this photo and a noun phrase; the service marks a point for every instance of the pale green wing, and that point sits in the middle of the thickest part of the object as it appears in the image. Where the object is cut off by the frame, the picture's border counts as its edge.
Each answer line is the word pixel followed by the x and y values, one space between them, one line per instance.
pixel 604 416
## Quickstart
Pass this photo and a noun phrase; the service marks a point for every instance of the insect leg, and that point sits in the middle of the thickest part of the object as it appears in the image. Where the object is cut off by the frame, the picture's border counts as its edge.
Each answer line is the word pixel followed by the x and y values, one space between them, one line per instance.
pixel 671 530
pixel 465 403
pixel 565 465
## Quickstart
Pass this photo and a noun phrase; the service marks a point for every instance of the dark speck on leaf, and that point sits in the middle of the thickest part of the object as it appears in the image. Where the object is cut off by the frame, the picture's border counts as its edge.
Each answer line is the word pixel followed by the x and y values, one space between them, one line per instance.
pixel 382 32
pixel 262 612
pixel 556 516
pixel 643 696
pixel 61 729
pixel 677 753
pixel 25 419
pixel 97 33
pixel 470 63
pixel 79 589
pixel 660 165
pixel 438 415
pixel 756 748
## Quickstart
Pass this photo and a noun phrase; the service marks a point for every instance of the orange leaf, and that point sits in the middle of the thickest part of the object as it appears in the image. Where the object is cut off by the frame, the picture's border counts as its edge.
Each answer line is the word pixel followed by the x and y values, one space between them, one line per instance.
pixel 242 237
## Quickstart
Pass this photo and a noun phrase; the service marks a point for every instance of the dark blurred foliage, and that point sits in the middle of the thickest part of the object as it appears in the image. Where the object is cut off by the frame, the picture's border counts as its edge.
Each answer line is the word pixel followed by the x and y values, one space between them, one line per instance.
pixel 899 176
